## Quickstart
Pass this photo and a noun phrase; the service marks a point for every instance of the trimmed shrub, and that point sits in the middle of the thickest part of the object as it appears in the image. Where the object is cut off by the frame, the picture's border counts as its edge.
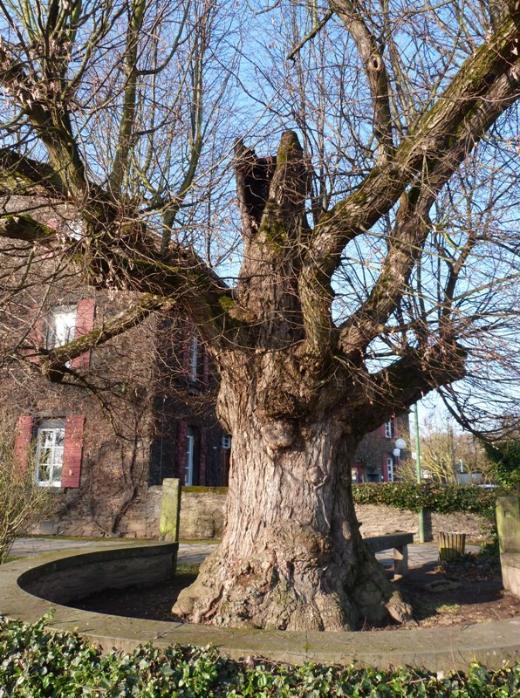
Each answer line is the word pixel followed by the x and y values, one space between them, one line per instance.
pixel 22 501
pixel 444 499
pixel 36 664
pixel 505 457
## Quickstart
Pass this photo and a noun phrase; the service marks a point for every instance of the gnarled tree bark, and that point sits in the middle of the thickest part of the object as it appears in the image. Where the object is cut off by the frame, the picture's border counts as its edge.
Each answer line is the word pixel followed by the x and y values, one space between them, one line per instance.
pixel 292 557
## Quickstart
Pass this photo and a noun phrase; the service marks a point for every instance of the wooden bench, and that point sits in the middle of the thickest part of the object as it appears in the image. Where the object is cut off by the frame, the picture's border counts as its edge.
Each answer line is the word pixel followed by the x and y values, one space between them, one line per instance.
pixel 399 543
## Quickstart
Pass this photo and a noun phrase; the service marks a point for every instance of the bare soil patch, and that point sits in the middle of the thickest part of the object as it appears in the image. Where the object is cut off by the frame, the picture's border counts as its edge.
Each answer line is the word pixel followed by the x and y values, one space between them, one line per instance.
pixel 458 593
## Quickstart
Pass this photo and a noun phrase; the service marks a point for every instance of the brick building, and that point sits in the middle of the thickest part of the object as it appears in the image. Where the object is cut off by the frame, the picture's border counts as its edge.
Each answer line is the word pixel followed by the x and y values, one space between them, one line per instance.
pixel 376 458
pixel 122 417
pixel 138 409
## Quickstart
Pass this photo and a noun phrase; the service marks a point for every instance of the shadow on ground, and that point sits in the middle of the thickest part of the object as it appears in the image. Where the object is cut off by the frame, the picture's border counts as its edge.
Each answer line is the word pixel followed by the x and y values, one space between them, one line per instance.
pixel 469 591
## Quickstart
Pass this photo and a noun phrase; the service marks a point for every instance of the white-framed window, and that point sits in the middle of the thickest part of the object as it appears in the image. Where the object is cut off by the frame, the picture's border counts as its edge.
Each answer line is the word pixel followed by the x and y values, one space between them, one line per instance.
pixel 389 429
pixel 194 358
pixel 61 326
pixel 50 438
pixel 390 468
pixel 226 442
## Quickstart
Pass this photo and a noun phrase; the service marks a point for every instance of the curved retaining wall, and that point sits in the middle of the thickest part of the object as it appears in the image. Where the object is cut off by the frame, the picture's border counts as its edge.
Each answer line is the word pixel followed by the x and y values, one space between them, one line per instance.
pixel 75 576
pixel 436 649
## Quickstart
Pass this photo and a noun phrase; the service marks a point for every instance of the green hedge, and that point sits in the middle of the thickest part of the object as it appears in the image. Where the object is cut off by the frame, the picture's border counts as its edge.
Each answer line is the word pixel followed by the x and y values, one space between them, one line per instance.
pixel 37 664
pixel 444 499
pixel 505 457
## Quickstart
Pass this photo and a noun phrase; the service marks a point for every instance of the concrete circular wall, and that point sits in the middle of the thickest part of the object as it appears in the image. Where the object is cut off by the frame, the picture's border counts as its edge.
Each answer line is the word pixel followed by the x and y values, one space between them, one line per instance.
pixel 31 587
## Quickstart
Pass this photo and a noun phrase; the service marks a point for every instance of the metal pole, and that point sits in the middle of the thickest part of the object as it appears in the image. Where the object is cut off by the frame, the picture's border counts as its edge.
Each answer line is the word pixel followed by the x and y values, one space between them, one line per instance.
pixel 422 531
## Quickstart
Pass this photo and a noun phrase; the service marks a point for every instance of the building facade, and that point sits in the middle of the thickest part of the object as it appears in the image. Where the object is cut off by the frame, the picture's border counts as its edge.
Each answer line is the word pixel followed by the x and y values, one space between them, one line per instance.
pixel 378 457
pixel 121 418
pixel 134 411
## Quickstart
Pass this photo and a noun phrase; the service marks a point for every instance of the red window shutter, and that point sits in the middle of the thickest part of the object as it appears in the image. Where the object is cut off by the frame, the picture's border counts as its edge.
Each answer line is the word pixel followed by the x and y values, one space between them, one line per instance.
pixel 85 314
pixel 185 350
pixel 22 441
pixel 72 451
pixel 205 367
pixel 186 355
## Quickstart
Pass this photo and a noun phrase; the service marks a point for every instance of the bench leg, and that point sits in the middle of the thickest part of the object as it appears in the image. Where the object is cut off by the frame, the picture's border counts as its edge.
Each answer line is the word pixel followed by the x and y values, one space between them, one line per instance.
pixel 400 561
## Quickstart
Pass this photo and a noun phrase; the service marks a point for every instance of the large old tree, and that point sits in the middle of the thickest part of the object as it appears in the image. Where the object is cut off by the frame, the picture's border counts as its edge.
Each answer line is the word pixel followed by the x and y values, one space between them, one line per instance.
pixel 352 297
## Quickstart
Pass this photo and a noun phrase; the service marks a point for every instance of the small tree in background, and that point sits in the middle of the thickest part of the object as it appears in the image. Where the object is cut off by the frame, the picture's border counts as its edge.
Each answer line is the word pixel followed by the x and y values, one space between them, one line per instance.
pixel 445 454
pixel 24 503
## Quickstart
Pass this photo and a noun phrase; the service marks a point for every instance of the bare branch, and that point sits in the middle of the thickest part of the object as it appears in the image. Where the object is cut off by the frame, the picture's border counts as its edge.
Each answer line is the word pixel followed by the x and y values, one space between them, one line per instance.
pixel 51 124
pixel 372 55
pixel 22 172
pixel 309 36
pixel 52 364
pixel 431 138
pixel 23 227
pixel 127 122
pixel 412 223
pixel 182 275
pixel 410 378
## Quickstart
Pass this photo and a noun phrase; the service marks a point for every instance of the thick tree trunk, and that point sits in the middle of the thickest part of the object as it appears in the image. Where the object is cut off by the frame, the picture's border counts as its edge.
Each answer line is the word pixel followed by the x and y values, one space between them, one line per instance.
pixel 291 555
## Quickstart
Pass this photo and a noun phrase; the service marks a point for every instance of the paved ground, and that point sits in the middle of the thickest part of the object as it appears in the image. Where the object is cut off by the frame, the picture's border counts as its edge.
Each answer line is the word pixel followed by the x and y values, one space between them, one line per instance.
pixel 419 554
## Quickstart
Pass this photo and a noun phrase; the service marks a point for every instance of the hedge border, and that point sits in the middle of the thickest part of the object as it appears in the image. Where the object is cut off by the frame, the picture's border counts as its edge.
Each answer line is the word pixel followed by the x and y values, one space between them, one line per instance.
pixel 443 499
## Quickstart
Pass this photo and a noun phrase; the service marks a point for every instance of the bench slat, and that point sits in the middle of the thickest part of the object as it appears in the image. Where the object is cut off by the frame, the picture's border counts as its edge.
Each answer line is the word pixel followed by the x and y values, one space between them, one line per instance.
pixel 392 540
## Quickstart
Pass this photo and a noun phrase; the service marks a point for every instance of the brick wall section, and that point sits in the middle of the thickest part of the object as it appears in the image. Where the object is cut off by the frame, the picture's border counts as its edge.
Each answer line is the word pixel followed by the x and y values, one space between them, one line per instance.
pixel 72 451
pixel 22 442
pixel 85 313
pixel 129 363
pixel 36 336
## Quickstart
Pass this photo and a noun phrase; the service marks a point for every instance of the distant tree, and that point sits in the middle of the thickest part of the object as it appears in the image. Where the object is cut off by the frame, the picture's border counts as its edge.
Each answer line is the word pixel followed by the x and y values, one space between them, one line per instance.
pixel 447 454
pixel 505 457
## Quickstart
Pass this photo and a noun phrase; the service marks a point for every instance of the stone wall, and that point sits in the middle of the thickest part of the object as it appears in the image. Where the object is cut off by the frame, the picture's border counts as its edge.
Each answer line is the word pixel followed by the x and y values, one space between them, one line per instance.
pixel 74 576
pixel 202 517
pixel 202 512
pixel 508 525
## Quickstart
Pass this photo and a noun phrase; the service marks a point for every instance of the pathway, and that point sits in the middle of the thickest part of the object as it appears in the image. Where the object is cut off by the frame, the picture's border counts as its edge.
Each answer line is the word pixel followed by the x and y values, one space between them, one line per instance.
pixel 419 554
